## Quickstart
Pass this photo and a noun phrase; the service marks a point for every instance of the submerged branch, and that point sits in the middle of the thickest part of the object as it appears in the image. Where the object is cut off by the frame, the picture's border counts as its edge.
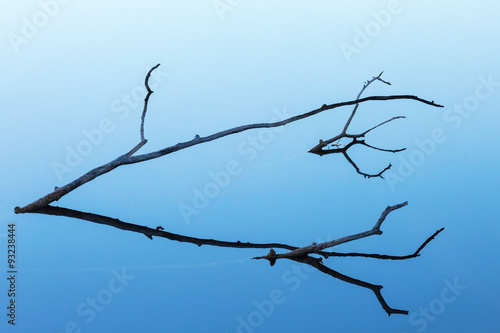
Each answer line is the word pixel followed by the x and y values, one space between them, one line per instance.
pixel 316 263
pixel 305 258
pixel 159 232
pixel 150 232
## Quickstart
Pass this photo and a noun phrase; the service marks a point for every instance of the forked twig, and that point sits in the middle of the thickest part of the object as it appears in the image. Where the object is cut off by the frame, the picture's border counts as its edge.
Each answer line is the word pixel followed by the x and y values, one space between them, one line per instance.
pixel 321 148
pixel 383 256
pixel 272 256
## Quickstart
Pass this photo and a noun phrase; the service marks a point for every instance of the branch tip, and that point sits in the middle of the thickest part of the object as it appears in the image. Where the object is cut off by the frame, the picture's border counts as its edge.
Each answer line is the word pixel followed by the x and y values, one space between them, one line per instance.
pixel 146 99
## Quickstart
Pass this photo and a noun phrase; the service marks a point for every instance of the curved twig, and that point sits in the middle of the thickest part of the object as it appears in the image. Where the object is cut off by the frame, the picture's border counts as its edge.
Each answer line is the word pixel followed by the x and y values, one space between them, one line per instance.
pixel 146 100
pixel 364 174
pixel 367 83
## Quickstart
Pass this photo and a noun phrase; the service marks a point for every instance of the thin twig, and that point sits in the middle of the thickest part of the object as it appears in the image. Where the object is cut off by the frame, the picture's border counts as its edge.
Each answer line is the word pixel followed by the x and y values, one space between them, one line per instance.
pixel 374 127
pixel 382 256
pixel 364 174
pixel 367 83
pixel 136 148
pixel 146 100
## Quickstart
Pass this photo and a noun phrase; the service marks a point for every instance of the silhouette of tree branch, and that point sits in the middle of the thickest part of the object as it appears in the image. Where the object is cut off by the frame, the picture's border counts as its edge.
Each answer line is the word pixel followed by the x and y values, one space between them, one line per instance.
pixel 335 147
pixel 272 256
pixel 299 254
pixel 130 158
pixel 159 232
pixel 305 258
pixel 316 263
pixel 150 232
pixel 382 256
pixel 146 100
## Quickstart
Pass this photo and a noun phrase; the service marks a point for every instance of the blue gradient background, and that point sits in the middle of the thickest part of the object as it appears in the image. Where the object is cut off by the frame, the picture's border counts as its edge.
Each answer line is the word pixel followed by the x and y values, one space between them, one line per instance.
pixel 224 71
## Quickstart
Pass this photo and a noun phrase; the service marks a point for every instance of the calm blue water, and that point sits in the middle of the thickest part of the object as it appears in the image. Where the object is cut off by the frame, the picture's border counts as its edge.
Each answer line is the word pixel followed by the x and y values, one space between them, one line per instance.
pixel 72 92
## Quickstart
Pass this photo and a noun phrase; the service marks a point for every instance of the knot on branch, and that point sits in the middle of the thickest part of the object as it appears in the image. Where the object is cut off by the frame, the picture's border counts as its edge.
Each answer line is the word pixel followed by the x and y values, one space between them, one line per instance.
pixel 271 256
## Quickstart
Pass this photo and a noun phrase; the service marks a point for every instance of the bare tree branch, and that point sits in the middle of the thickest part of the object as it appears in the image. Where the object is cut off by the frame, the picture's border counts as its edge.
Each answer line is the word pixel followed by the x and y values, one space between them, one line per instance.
pixel 302 254
pixel 315 248
pixel 306 259
pixel 159 232
pixel 128 157
pixel 321 148
pixel 197 140
pixel 150 232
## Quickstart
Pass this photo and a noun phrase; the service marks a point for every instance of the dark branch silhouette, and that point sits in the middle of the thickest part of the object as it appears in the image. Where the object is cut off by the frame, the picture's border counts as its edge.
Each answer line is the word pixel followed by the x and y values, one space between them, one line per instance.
pixel 316 263
pixel 146 100
pixel 383 256
pixel 272 256
pixel 130 158
pixel 150 232
pixel 299 254
pixel 335 147
pixel 302 254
